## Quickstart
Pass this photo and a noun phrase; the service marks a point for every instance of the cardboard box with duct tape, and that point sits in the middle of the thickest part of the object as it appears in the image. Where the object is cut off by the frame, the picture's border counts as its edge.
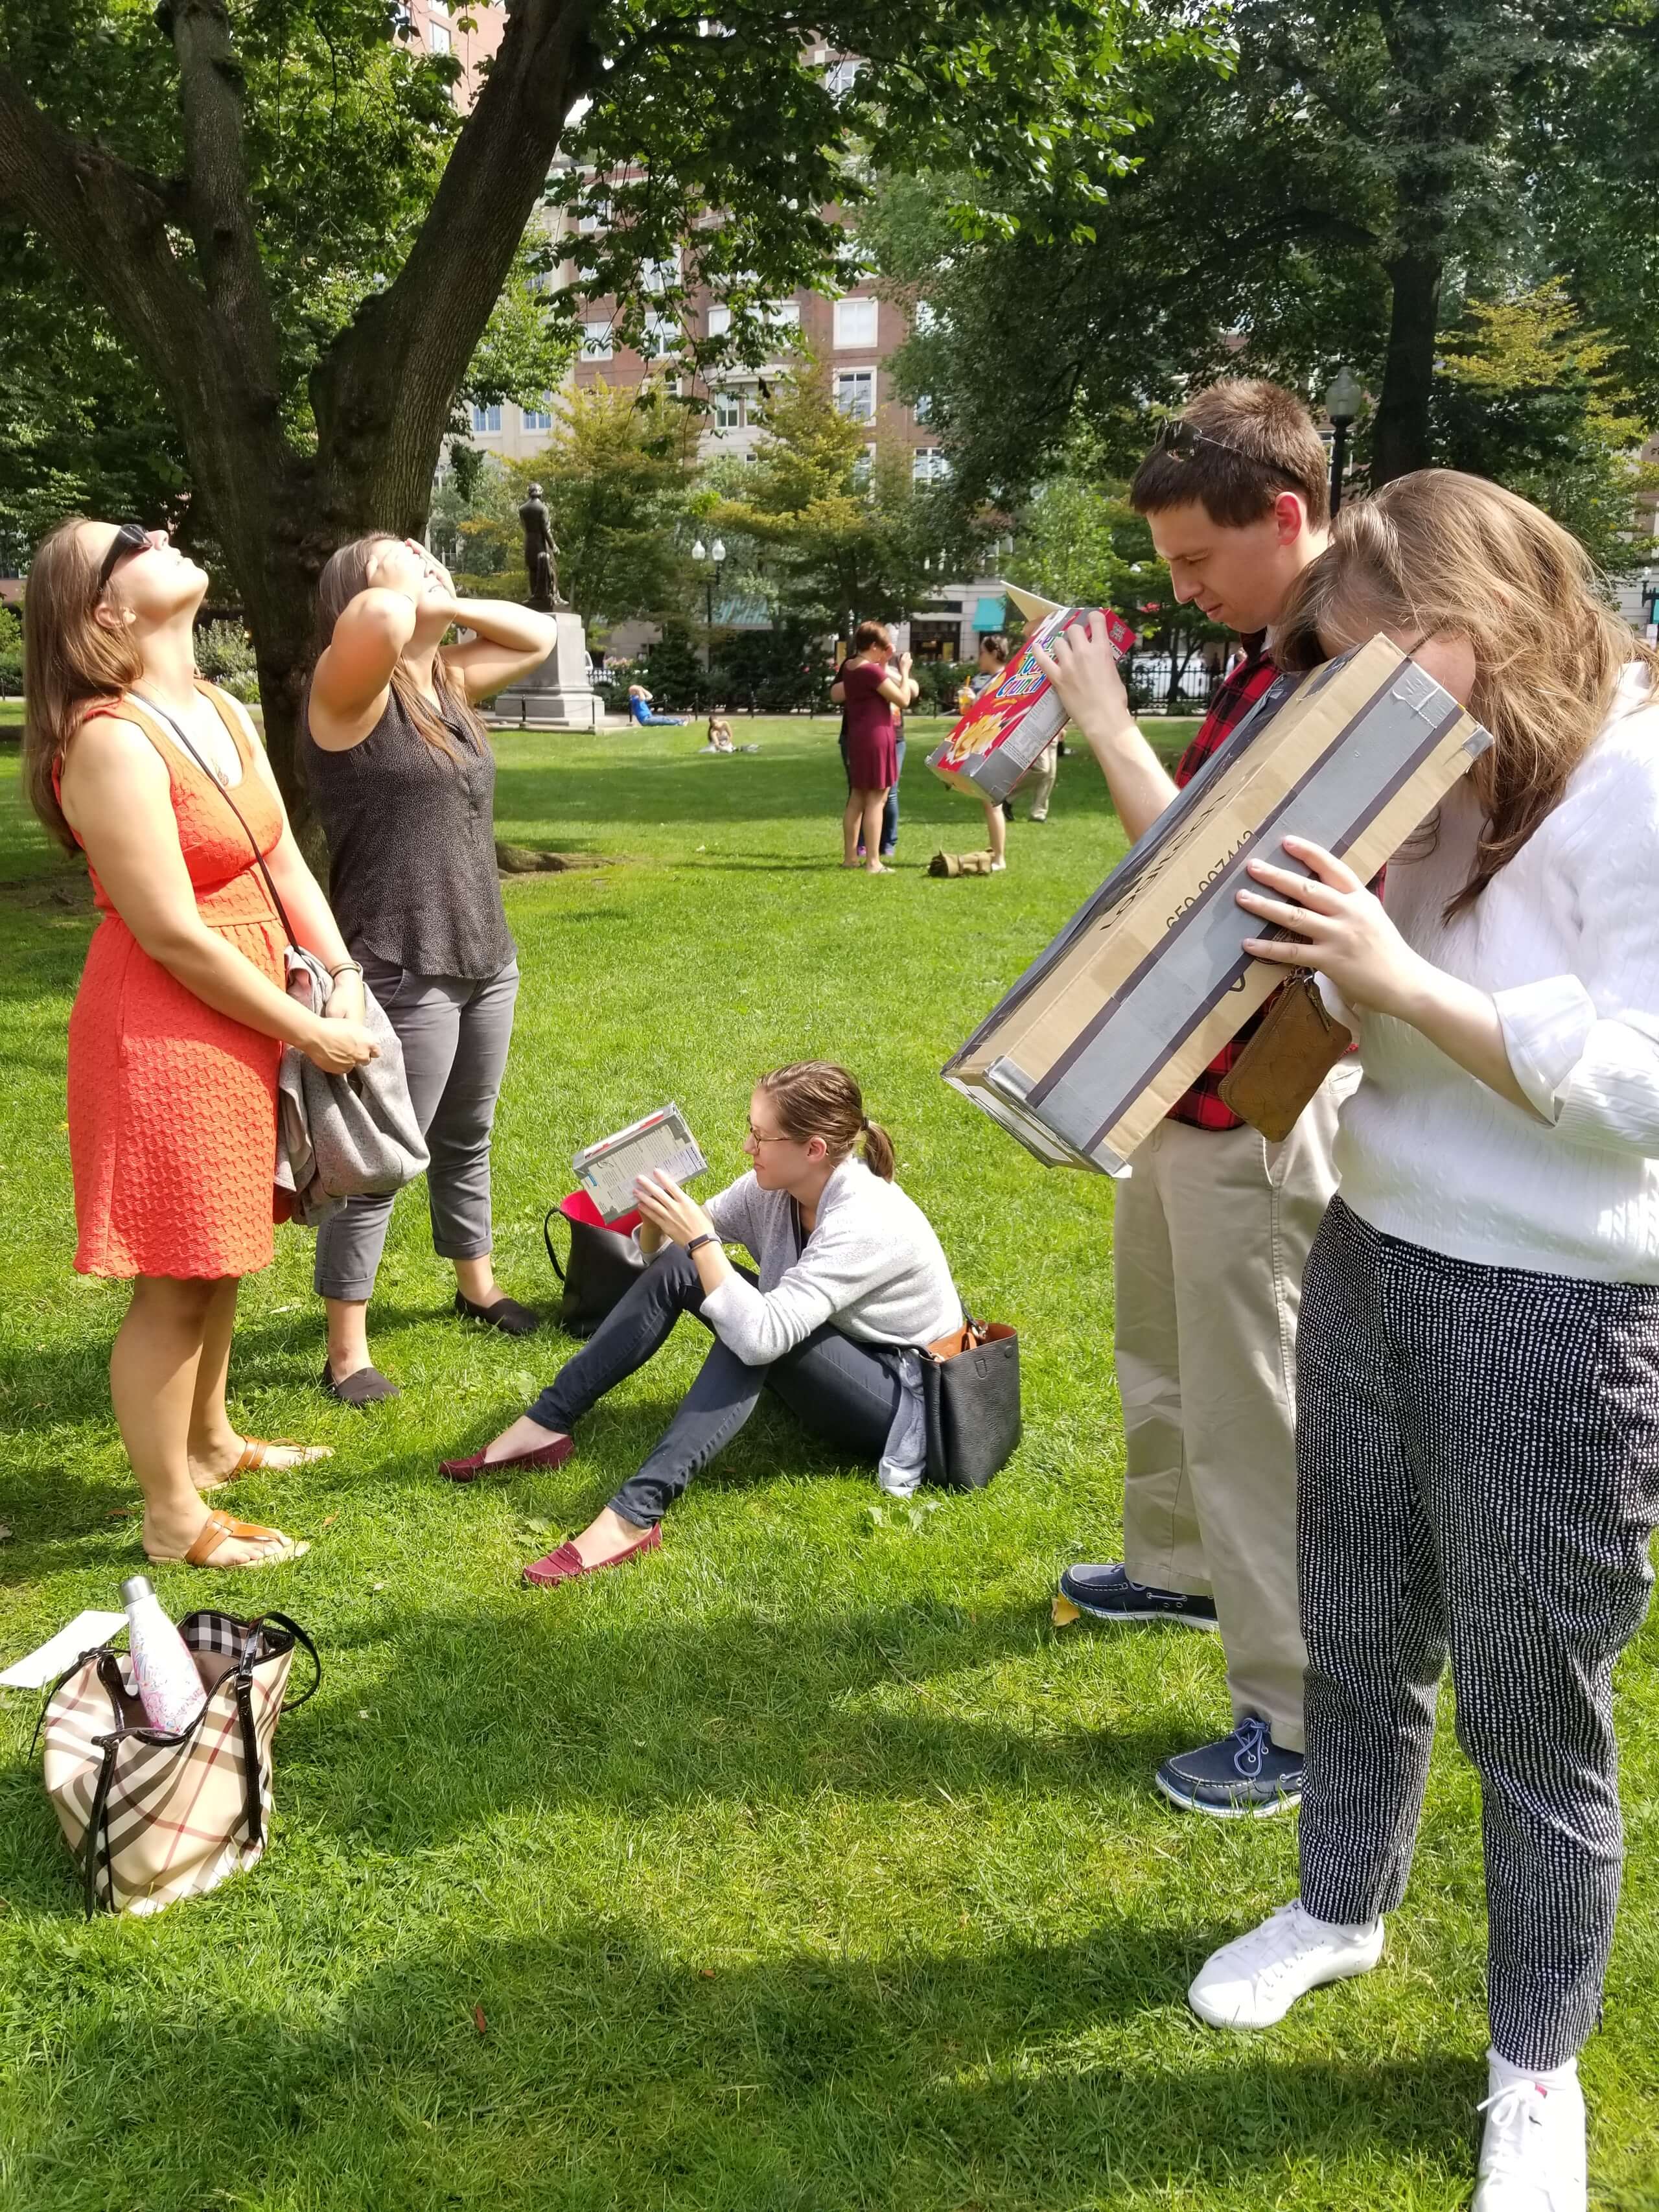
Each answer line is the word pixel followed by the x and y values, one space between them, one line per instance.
pixel 1146 982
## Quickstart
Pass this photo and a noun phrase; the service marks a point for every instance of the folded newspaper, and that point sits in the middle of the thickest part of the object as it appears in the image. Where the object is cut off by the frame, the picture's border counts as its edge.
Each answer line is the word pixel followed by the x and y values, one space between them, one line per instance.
pixel 607 1170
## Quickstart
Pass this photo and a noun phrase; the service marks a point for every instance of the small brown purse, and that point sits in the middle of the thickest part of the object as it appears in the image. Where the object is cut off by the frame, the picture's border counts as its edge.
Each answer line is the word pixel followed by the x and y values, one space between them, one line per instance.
pixel 1278 1071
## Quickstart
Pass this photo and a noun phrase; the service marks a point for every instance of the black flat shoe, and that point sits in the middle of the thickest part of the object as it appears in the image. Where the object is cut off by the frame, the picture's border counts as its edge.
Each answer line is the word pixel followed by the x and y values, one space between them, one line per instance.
pixel 367 1386
pixel 506 1315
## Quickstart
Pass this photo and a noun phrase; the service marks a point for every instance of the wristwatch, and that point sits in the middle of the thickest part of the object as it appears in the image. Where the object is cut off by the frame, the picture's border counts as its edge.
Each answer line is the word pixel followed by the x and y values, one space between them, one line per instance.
pixel 698 1243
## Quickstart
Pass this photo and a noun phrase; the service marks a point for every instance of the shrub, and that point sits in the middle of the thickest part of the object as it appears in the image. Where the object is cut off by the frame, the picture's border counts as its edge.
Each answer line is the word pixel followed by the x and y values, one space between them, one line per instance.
pixel 224 654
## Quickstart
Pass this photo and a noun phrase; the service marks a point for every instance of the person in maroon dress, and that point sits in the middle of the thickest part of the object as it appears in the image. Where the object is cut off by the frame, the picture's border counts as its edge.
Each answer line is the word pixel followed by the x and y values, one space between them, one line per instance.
pixel 869 692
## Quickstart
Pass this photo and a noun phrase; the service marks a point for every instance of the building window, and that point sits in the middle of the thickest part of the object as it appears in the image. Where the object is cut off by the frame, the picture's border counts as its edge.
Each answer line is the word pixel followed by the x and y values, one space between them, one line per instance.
pixel 864 466
pixel 785 315
pixel 596 341
pixel 662 337
pixel 486 419
pixel 658 276
pixel 437 38
pixel 728 412
pixel 720 321
pixel 928 465
pixel 855 323
pixel 839 77
pixel 923 410
pixel 855 394
pixel 540 418
pixel 598 218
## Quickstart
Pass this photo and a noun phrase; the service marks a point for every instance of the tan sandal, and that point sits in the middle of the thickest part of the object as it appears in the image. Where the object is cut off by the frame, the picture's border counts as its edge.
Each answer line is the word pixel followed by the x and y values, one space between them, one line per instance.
pixel 256 1458
pixel 219 1528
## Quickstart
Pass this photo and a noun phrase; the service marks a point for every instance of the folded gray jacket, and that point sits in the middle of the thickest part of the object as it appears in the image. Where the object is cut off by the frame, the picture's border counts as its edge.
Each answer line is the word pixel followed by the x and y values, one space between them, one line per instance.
pixel 343 1136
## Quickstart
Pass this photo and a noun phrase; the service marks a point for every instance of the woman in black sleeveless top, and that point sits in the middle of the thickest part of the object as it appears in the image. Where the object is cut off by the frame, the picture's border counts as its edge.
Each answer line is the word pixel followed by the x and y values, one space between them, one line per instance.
pixel 404 782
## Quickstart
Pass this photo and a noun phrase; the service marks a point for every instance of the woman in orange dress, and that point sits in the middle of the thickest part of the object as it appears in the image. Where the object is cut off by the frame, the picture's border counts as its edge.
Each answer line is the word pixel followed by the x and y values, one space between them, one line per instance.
pixel 180 1020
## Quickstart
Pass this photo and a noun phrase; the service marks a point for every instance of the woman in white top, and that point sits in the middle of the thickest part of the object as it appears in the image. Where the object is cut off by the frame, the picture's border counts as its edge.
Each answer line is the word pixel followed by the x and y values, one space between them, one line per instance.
pixel 1478 1431
pixel 851 1280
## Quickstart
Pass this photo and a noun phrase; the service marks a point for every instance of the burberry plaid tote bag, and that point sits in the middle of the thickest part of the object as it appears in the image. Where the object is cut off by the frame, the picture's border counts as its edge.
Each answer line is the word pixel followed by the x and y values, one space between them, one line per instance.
pixel 150 1815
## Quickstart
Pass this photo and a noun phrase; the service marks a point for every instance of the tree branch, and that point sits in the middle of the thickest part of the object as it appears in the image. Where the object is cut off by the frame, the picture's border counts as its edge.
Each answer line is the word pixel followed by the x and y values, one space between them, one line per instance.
pixel 387 383
pixel 108 222
pixel 221 216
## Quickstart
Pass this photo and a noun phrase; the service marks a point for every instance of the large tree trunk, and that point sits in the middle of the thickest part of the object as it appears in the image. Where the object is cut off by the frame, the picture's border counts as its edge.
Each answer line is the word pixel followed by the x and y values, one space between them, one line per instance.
pixel 1400 437
pixel 202 321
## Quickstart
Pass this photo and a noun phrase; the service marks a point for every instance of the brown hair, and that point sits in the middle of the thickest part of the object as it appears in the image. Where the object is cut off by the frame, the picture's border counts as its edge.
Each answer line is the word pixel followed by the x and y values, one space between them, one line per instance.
pixel 816 1098
pixel 1441 552
pixel 1252 441
pixel 995 644
pixel 344 575
pixel 871 633
pixel 71 661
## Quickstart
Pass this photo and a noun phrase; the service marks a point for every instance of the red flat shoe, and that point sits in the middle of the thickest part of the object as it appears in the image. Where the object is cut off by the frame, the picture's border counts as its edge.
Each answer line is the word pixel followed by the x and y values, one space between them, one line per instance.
pixel 469 1470
pixel 565 1564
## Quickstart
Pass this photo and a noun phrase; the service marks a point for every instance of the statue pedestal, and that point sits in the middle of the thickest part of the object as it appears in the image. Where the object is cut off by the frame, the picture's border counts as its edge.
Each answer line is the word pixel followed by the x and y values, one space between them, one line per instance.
pixel 558 695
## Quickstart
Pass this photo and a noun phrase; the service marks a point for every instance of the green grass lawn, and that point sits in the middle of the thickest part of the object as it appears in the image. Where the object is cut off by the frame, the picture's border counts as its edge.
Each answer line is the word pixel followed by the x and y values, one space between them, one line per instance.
pixel 804 1868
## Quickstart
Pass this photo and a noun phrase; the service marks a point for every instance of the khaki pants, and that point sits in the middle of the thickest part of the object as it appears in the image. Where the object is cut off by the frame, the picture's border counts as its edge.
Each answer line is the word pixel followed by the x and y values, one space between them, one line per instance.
pixel 1038 782
pixel 1213 1233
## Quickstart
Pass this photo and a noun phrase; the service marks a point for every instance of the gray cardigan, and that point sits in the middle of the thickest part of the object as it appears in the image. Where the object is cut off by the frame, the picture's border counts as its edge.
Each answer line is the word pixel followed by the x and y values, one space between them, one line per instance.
pixel 873 1265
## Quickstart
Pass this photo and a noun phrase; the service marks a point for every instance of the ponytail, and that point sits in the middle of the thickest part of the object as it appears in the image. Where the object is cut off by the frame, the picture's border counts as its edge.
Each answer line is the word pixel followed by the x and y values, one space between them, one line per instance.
pixel 877 1150
pixel 816 1098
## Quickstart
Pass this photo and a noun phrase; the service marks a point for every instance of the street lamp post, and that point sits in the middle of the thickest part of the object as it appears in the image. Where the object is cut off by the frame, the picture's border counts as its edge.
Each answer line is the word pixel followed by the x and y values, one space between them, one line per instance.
pixel 1342 402
pixel 715 556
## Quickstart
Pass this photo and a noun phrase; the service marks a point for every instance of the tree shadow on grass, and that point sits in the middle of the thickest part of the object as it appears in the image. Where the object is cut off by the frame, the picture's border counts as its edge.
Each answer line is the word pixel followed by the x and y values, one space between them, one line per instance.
pixel 584 2068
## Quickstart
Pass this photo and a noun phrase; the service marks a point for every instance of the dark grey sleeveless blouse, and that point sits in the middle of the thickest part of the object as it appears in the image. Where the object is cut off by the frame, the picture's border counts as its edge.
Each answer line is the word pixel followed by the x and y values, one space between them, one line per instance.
pixel 411 846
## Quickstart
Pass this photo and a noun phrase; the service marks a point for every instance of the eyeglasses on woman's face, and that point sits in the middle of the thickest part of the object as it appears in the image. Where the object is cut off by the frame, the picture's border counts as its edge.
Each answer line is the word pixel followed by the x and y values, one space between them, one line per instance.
pixel 130 539
pixel 759 1137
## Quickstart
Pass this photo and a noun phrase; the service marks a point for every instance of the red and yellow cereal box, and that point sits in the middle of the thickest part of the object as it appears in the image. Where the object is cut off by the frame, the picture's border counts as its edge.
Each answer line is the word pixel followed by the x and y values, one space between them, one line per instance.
pixel 1015 718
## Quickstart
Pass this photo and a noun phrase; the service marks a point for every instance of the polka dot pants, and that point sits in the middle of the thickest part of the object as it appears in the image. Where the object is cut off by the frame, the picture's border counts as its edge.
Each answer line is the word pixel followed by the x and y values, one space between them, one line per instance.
pixel 1479 1476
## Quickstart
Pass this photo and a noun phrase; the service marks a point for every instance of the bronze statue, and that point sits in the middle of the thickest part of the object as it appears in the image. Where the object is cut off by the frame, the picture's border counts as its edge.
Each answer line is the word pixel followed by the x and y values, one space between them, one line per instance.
pixel 541 554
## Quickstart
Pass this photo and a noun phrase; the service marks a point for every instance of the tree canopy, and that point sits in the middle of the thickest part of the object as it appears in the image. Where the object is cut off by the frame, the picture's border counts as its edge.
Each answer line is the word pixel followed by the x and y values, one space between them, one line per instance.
pixel 1359 174
pixel 298 241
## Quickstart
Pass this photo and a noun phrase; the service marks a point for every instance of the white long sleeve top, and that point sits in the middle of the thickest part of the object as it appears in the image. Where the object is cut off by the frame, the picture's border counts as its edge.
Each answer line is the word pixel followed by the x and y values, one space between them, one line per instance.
pixel 872 1265
pixel 1565 939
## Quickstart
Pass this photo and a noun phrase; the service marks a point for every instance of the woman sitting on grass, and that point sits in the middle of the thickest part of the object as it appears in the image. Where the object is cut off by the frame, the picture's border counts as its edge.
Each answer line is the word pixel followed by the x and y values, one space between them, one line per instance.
pixel 851 1274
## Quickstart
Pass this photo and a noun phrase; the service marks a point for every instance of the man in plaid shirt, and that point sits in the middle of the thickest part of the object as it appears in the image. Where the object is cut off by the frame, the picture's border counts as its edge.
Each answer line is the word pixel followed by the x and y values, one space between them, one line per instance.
pixel 1213 1225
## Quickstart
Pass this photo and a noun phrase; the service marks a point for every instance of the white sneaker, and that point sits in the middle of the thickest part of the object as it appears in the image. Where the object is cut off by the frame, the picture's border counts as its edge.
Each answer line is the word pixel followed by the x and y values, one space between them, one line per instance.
pixel 997 867
pixel 1532 2156
pixel 1254 1981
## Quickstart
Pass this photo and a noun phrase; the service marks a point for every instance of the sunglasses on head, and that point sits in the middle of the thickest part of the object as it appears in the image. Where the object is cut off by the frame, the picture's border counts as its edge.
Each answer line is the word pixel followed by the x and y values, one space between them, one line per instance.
pixel 1177 438
pixel 131 537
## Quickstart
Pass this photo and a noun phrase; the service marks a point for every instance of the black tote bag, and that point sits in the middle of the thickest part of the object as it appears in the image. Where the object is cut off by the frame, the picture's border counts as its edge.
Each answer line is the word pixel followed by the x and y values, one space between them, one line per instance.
pixel 970 1397
pixel 603 1266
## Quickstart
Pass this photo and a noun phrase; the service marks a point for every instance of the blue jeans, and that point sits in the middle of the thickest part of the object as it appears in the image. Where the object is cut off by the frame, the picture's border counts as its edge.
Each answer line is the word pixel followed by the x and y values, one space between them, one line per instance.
pixel 845 1392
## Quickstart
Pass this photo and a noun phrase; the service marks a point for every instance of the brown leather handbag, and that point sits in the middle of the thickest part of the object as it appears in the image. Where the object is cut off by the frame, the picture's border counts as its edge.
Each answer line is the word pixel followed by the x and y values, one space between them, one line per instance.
pixel 1278 1072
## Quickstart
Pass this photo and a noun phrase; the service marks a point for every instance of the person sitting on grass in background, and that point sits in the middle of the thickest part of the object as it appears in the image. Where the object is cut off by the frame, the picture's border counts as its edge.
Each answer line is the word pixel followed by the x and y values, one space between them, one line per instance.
pixel 640 711
pixel 720 739
pixel 1212 1231
pixel 873 698
pixel 1478 1358
pixel 851 1278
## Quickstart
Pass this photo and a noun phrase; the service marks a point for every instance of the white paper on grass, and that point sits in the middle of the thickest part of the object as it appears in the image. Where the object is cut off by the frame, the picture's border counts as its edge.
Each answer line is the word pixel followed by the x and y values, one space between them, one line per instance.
pixel 59 1653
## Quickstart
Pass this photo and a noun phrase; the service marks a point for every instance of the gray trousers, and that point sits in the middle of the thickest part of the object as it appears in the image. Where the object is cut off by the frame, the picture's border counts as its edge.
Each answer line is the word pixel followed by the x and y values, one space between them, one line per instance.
pixel 455 1032
pixel 1480 1475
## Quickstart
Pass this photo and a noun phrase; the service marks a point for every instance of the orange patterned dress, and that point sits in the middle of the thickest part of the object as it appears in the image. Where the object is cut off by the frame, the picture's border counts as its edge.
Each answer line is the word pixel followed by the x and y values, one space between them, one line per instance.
pixel 173 1107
